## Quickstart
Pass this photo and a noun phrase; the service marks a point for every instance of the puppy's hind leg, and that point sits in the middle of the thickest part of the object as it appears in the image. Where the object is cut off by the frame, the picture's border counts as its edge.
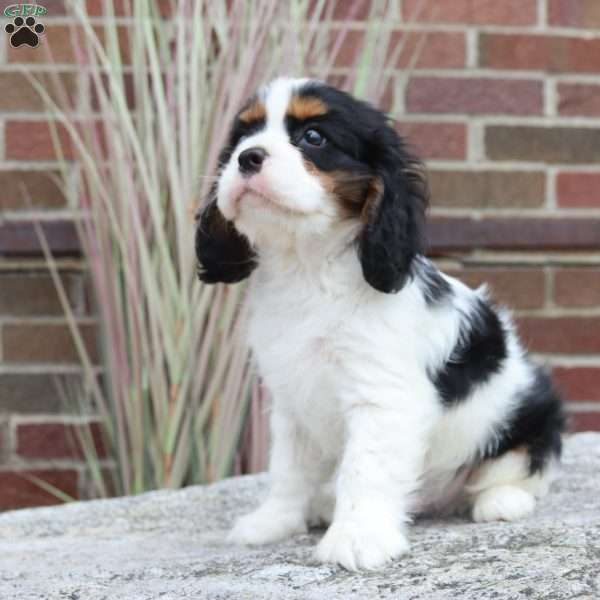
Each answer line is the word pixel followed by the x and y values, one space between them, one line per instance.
pixel 503 489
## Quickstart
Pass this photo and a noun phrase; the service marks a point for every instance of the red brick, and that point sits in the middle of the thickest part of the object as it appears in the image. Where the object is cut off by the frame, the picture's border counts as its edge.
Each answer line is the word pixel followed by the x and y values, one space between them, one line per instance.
pixel 436 140
pixel 31 393
pixel 18 94
pixel 340 11
pixel 578 190
pixel 42 188
pixel 578 384
pixel 561 334
pixel 16 491
pixel 584 421
pixel 443 50
pixel 56 8
pixel 579 99
pixel 97 8
pixel 451 234
pixel 32 140
pixel 559 54
pixel 4 440
pixel 57 45
pixel 45 343
pixel 55 440
pixel 19 238
pixel 517 288
pixel 487 189
pixel 475 96
pixel 103 90
pixel 32 295
pixel 571 145
pixel 574 13
pixel 577 287
pixel 476 12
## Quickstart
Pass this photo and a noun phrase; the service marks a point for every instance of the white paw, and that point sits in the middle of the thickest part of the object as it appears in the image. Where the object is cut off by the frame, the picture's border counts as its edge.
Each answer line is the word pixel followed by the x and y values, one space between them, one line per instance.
pixel 358 546
pixel 265 526
pixel 502 503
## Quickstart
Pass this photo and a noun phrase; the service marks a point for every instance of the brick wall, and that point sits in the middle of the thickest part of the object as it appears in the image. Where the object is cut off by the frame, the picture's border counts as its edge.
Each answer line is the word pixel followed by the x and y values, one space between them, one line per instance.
pixel 37 437
pixel 504 104
pixel 513 146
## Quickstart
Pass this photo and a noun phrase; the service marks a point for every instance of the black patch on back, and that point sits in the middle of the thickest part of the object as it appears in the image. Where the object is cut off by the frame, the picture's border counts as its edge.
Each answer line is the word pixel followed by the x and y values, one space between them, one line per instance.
pixel 536 424
pixel 478 354
pixel 435 288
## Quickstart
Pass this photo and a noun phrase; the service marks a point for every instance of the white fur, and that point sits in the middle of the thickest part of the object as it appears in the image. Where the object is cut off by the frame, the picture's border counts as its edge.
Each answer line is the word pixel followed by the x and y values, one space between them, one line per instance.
pixel 354 409
pixel 503 503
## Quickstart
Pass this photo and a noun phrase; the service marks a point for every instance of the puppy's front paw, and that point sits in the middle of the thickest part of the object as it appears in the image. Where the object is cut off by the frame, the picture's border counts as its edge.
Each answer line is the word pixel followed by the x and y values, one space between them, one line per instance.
pixel 361 546
pixel 265 526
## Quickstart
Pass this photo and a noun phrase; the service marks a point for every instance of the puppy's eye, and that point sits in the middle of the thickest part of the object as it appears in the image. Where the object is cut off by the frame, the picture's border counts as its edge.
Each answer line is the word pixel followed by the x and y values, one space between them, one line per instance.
pixel 314 137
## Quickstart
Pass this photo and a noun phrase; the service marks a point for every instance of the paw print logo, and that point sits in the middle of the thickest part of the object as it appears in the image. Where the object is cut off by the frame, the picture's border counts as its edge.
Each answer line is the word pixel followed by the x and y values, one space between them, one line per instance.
pixel 24 31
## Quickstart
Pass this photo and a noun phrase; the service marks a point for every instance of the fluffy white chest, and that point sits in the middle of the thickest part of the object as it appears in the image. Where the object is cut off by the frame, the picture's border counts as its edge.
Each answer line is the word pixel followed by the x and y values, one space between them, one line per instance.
pixel 322 350
pixel 298 339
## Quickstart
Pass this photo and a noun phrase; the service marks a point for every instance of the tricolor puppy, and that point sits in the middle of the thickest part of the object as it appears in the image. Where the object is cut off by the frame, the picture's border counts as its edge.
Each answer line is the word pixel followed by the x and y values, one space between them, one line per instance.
pixel 396 389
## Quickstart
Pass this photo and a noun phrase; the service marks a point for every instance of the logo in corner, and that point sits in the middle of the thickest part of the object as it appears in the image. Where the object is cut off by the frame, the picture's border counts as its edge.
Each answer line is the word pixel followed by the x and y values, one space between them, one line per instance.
pixel 25 29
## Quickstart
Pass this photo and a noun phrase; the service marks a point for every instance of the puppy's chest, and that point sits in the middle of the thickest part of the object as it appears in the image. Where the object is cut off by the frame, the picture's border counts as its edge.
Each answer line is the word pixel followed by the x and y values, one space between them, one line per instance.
pixel 296 339
pixel 299 341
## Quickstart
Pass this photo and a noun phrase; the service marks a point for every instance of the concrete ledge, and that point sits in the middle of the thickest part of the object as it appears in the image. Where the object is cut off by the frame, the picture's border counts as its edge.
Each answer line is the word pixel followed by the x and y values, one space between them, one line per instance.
pixel 169 544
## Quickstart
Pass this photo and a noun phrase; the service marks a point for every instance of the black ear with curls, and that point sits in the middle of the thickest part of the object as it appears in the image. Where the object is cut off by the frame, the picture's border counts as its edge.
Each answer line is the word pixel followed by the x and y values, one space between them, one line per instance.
pixel 224 255
pixel 395 218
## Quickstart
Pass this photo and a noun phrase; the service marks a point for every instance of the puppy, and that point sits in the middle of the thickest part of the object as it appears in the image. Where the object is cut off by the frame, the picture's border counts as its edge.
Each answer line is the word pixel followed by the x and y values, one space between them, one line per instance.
pixel 395 387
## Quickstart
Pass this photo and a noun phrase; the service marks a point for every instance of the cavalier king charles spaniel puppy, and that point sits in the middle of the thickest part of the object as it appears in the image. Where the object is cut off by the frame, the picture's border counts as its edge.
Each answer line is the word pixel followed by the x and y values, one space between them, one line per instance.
pixel 396 389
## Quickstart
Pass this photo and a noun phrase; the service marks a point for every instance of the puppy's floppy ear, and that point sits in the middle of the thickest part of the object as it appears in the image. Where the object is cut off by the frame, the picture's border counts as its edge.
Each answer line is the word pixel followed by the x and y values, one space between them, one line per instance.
pixel 224 255
pixel 394 215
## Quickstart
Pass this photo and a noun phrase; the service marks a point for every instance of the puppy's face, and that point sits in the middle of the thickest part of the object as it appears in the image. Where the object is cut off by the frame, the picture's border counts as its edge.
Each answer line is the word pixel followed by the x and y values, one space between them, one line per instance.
pixel 296 164
pixel 304 159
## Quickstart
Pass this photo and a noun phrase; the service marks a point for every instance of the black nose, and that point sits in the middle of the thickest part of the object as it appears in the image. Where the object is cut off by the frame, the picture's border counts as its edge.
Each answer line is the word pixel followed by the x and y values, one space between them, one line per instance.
pixel 251 160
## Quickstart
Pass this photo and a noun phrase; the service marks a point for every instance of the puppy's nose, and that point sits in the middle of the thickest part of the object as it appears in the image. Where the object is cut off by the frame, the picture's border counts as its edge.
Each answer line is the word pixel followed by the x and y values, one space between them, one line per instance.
pixel 251 160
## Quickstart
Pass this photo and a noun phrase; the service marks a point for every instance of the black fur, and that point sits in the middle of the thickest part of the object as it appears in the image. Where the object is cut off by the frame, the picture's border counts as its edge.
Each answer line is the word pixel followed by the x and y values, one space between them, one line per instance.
pixel 535 426
pixel 435 288
pixel 393 235
pixel 363 140
pixel 224 255
pixel 478 354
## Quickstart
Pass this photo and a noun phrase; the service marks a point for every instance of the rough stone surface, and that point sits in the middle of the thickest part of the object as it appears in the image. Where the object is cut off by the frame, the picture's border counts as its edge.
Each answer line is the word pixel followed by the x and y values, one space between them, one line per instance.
pixel 169 544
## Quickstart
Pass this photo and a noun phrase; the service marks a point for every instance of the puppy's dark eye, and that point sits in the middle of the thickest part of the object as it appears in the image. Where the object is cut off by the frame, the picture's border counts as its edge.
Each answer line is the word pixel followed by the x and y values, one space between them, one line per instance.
pixel 314 137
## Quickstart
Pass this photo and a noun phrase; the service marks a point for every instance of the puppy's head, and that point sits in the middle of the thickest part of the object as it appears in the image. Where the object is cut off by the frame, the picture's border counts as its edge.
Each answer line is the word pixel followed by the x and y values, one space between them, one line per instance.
pixel 305 159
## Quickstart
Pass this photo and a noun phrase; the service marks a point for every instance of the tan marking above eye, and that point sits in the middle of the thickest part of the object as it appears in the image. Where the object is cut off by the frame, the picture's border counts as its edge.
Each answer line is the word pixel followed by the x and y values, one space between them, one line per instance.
pixel 255 112
pixel 306 107
pixel 356 195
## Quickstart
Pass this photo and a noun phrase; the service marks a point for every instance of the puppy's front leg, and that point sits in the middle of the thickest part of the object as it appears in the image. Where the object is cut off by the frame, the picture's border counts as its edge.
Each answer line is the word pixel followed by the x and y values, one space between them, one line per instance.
pixel 294 471
pixel 379 470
